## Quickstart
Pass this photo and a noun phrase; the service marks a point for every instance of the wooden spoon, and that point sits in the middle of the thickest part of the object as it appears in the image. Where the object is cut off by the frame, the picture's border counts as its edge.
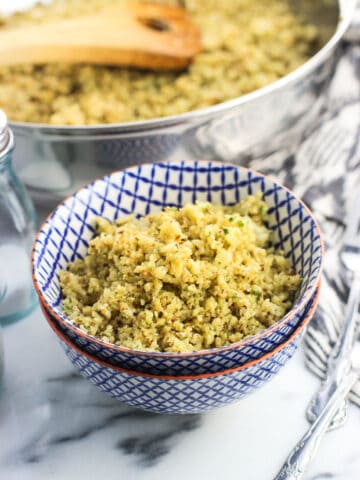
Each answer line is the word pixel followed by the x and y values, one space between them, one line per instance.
pixel 140 35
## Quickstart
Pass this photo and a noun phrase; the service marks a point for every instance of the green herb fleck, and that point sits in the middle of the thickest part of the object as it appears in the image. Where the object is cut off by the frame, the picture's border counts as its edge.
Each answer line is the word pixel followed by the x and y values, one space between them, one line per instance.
pixel 240 223
pixel 226 231
pixel 257 294
pixel 231 219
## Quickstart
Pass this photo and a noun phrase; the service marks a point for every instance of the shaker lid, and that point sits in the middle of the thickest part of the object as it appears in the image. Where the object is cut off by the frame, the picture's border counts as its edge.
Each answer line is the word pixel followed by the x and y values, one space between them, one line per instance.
pixel 5 134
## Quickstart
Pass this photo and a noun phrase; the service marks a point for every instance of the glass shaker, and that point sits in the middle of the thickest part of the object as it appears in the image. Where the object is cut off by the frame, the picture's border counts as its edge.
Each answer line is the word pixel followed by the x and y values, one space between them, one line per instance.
pixel 17 231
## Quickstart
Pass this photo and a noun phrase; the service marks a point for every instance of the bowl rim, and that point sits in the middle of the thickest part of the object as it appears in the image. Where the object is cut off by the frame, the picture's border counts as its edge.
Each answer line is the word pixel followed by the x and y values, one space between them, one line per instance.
pixel 304 322
pixel 345 16
pixel 153 354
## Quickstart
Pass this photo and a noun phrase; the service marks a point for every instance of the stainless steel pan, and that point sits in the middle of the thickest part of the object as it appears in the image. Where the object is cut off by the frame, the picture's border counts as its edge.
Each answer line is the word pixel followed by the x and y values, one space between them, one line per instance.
pixel 54 161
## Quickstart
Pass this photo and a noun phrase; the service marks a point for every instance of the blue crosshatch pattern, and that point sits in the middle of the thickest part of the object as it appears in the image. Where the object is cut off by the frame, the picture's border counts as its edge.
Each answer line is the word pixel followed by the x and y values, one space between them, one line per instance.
pixel 178 396
pixel 151 187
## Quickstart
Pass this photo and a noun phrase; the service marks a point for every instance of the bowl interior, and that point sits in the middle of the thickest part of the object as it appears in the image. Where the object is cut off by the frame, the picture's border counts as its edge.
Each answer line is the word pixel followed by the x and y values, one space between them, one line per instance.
pixel 65 235
pixel 323 14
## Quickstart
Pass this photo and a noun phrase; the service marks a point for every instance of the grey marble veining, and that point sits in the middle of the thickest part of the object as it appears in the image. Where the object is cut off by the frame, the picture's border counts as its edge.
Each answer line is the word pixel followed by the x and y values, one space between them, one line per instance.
pixel 55 425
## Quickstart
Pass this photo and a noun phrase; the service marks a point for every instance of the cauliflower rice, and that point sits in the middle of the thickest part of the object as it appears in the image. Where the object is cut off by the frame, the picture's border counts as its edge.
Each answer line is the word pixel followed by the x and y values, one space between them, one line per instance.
pixel 247 44
pixel 181 280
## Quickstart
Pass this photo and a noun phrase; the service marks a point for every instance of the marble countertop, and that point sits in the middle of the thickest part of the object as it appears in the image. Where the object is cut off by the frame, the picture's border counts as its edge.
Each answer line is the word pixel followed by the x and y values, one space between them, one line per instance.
pixel 55 425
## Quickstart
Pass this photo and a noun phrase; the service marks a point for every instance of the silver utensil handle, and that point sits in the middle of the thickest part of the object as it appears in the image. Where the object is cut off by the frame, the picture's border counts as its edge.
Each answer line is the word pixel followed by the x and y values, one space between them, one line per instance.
pixel 299 459
pixel 339 362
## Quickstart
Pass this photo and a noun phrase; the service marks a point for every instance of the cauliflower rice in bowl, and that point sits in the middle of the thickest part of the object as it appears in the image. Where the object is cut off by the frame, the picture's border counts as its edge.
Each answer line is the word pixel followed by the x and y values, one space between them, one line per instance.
pixel 147 189
pixel 181 280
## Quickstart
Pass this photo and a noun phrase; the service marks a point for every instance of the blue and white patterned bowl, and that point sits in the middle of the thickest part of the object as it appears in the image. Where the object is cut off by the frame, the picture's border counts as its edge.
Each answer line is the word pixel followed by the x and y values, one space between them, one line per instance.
pixel 185 394
pixel 141 189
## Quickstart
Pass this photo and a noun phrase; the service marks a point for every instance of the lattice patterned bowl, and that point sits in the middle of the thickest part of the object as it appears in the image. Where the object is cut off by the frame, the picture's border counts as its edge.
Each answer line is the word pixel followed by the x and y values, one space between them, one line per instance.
pixel 185 394
pixel 141 189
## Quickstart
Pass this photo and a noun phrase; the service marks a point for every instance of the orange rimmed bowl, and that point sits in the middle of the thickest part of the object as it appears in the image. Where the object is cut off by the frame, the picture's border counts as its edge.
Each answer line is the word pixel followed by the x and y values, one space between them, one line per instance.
pixel 150 187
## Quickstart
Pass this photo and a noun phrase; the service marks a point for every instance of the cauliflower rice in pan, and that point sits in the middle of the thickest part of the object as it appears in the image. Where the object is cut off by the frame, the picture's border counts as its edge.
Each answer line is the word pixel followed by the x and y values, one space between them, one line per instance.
pixel 181 280
pixel 247 44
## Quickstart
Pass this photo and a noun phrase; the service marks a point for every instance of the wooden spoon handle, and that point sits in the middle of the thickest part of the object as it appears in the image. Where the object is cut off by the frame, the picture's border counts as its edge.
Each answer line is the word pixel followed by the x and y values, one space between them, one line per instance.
pixel 140 35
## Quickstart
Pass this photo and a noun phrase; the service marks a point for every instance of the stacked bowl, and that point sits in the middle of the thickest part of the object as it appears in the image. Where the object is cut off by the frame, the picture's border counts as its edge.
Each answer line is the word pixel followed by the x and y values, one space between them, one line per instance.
pixel 177 382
